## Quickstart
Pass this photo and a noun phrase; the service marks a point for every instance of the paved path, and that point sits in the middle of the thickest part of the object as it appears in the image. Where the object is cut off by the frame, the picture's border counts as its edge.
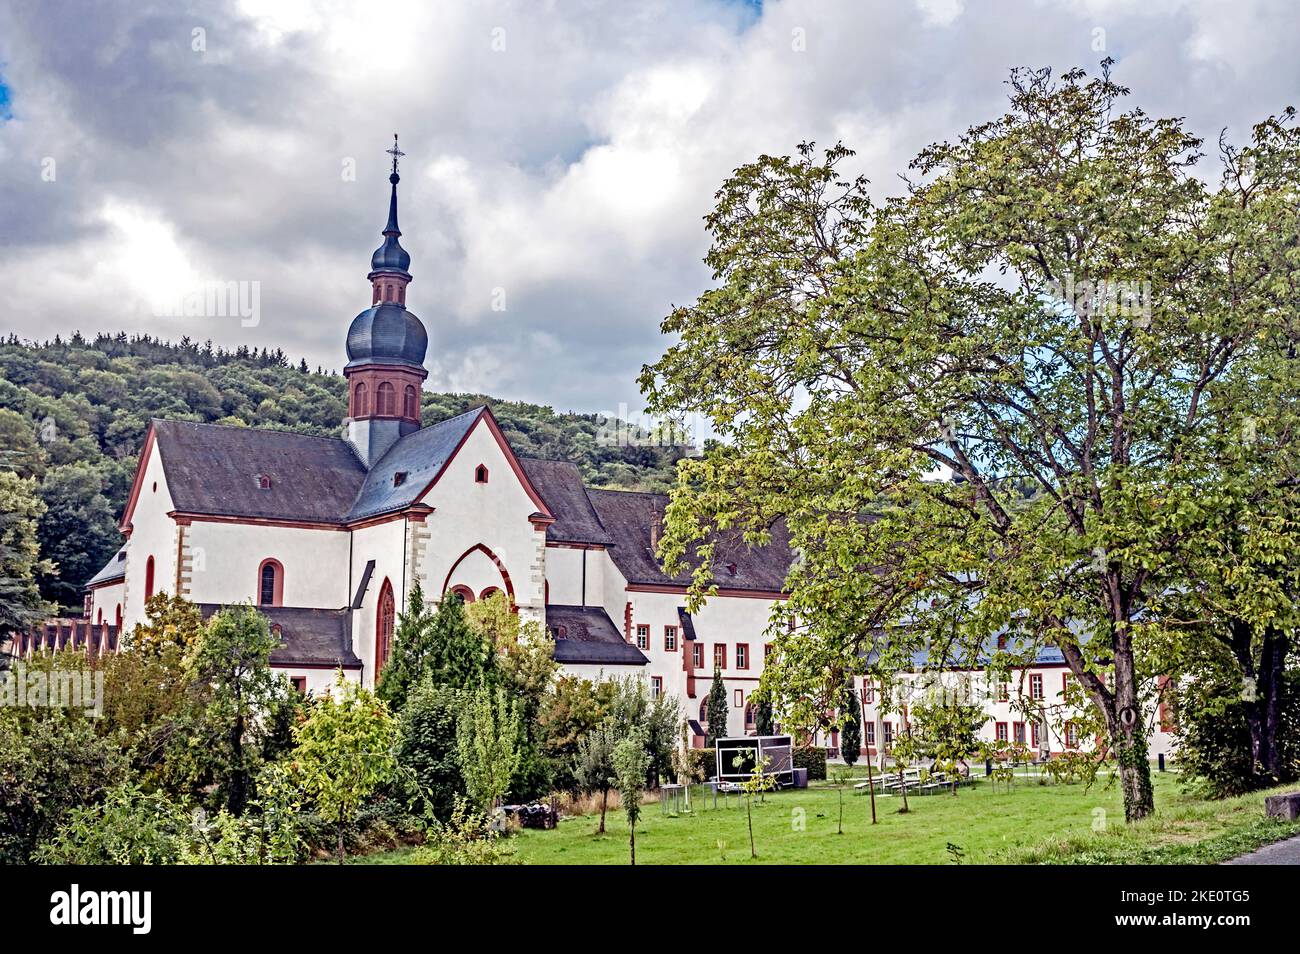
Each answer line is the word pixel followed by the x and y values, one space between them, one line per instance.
pixel 1279 853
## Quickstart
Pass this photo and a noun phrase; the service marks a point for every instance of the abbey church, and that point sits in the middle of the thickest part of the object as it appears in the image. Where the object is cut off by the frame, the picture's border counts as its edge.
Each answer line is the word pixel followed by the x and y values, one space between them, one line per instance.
pixel 328 536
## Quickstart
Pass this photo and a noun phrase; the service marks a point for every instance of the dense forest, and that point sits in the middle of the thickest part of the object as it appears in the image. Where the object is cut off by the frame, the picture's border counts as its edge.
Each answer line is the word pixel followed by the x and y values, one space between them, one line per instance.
pixel 73 415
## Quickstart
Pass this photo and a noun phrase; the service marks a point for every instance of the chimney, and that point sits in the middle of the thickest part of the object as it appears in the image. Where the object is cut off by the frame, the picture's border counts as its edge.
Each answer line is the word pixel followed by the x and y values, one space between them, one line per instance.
pixel 656 530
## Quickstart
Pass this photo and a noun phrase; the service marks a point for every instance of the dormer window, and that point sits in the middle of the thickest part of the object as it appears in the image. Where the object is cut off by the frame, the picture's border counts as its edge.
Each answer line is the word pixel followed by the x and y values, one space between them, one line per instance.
pixel 480 474
pixel 399 478
pixel 263 481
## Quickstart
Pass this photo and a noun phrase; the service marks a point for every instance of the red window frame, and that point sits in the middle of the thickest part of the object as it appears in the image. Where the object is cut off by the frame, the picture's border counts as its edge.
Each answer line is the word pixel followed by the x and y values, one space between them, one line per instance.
pixel 1033 734
pixel 1036 685
pixel 869 733
pixel 642 636
pixel 742 655
pixel 277 582
pixel 1000 731
pixel 656 687
pixel 719 655
pixel 386 400
pixel 148 579
pixel 1004 692
pixel 738 698
pixel 697 655
pixel 670 639
pixel 1018 732
pixel 1071 736
pixel 385 623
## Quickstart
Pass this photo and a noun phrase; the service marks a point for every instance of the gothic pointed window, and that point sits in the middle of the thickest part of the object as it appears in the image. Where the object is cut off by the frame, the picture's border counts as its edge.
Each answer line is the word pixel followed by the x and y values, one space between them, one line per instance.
pixel 385 620
pixel 148 579
pixel 386 400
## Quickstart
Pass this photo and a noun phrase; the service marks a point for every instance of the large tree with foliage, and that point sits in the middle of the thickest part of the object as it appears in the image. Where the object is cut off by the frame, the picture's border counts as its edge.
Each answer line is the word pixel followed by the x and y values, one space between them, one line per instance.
pixel 850 726
pixel 236 701
pixel 594 769
pixel 345 752
pixel 993 403
pixel 488 739
pixel 20 560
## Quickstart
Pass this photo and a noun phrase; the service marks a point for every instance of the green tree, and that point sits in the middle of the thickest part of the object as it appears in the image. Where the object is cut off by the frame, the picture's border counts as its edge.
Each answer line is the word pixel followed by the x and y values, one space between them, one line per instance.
pixel 630 767
pixel 717 727
pixel 1075 403
pixel 236 698
pixel 78 530
pixel 49 765
pixel 764 719
pixel 487 742
pixel 20 560
pixel 594 768
pixel 426 745
pixel 572 708
pixel 344 752
pixel 946 731
pixel 414 650
pixel 850 726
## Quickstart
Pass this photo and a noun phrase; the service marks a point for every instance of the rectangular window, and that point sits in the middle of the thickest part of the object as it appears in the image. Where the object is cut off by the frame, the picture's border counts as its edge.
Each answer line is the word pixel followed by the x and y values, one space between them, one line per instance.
pixel 656 687
pixel 1019 732
pixel 868 693
pixel 887 729
pixel 299 684
pixel 742 655
pixel 643 637
pixel 767 651
pixel 1071 736
pixel 738 698
pixel 1033 732
pixel 1065 683
pixel 670 639
pixel 719 655
pixel 697 656
pixel 1000 731
pixel 1036 686
pixel 869 733
pixel 1004 692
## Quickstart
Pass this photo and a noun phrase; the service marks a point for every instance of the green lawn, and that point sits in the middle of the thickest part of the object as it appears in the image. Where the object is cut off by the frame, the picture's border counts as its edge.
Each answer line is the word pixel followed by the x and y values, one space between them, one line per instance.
pixel 1032 823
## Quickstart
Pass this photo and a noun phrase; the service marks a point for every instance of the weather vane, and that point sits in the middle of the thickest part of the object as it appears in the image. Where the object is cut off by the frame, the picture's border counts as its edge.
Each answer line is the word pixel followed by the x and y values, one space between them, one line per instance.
pixel 395 153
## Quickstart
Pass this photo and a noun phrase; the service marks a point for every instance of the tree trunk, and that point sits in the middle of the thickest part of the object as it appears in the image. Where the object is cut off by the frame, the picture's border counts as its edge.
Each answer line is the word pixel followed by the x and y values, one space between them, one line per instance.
pixel 1262 696
pixel 631 843
pixel 238 780
pixel 604 803
pixel 1128 733
pixel 341 826
pixel 749 814
pixel 871 787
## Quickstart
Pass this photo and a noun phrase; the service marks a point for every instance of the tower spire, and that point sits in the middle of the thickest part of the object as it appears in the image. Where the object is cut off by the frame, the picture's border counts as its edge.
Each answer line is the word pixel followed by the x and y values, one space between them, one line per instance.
pixel 391 228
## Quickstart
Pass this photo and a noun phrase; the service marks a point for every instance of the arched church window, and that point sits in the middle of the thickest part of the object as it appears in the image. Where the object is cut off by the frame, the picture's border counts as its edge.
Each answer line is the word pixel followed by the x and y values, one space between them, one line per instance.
pixel 148 579
pixel 270 583
pixel 359 400
pixel 490 591
pixel 385 619
pixel 465 594
pixel 410 403
pixel 386 400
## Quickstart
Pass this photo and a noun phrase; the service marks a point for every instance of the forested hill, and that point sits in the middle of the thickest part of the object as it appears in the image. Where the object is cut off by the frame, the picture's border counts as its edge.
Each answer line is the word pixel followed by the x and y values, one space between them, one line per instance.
pixel 73 414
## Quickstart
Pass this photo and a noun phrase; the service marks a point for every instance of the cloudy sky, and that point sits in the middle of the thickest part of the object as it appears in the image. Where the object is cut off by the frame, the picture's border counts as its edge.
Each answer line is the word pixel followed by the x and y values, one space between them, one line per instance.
pixel 560 155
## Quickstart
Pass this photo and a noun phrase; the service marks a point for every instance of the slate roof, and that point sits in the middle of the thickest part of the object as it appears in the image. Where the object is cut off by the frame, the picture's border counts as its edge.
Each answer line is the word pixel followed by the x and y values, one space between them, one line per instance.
pixel 627 516
pixel 112 571
pixel 590 636
pixel 421 455
pixel 212 469
pixel 310 637
pixel 560 484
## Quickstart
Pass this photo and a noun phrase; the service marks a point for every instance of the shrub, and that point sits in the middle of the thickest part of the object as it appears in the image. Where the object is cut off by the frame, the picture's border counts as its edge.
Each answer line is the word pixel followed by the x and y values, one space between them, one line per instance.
pixel 812 758
pixel 466 838
pixel 426 749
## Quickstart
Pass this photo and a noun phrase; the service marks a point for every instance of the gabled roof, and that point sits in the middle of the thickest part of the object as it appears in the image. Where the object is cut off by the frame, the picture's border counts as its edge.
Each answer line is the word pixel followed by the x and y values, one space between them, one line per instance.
pixel 213 469
pixel 589 636
pixel 560 484
pixel 422 455
pixel 628 516
pixel 111 572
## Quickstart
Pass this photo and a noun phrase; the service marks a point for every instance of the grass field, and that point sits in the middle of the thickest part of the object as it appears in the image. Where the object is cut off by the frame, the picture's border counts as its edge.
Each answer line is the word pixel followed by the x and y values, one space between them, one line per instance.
pixel 1031 824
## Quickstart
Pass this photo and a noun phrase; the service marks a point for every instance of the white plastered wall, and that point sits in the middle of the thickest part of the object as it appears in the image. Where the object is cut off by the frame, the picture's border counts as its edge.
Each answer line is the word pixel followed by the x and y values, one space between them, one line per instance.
pixel 153 533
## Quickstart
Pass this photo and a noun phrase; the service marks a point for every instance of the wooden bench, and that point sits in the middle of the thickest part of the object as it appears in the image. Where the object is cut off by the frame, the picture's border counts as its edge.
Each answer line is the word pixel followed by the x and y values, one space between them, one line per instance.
pixel 1283 806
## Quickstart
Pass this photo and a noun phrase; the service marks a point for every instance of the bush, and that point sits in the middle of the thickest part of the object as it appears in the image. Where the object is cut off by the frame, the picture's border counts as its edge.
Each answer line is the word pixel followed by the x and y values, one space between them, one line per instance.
pixel 429 769
pixel 49 765
pixel 699 765
pixel 466 838
pixel 812 758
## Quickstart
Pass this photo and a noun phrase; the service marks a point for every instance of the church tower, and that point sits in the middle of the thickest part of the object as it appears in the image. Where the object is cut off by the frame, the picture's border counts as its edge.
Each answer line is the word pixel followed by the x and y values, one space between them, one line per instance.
pixel 386 346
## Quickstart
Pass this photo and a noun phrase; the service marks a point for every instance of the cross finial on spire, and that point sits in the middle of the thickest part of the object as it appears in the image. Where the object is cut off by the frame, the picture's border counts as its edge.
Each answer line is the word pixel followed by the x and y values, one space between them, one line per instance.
pixel 395 153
